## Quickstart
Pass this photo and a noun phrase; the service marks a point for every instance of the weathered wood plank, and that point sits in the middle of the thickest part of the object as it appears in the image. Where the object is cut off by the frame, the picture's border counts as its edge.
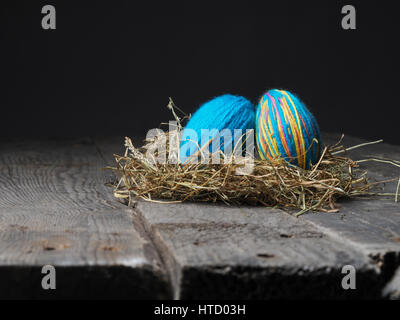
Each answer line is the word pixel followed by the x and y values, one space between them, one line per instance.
pixel 392 289
pixel 55 209
pixel 220 251
pixel 215 251
pixel 372 225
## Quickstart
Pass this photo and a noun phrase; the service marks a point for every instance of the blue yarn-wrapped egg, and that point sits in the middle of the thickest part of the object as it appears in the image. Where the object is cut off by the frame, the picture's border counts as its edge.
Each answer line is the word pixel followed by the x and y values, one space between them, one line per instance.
pixel 286 129
pixel 224 112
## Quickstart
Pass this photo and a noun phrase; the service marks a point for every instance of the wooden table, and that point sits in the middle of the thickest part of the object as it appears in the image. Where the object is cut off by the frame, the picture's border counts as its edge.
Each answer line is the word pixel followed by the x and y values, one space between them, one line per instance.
pixel 55 210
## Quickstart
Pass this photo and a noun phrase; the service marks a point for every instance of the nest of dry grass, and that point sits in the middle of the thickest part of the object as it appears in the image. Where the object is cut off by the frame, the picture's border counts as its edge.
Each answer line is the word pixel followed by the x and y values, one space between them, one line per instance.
pixel 271 183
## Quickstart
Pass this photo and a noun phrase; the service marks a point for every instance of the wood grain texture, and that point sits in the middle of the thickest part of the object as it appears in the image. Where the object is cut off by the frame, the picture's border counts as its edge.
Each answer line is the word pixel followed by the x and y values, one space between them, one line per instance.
pixel 219 251
pixel 373 224
pixel 215 251
pixel 55 209
pixel 392 289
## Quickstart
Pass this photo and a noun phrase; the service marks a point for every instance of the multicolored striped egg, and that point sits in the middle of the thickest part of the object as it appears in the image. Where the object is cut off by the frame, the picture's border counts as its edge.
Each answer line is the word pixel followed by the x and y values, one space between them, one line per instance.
pixel 286 129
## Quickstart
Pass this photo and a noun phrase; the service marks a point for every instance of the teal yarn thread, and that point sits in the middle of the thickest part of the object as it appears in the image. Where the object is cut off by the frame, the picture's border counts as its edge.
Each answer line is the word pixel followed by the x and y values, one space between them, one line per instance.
pixel 224 112
pixel 286 129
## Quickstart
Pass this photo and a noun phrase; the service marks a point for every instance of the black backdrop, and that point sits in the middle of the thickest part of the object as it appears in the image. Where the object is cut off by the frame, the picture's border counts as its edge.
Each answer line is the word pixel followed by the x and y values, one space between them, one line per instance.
pixel 110 66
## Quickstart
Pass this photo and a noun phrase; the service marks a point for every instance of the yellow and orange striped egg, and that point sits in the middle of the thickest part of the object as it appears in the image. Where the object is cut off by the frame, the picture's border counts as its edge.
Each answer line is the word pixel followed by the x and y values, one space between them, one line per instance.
pixel 286 129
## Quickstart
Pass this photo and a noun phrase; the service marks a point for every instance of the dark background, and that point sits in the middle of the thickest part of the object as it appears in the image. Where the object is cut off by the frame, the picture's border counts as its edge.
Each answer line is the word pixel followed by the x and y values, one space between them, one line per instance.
pixel 110 66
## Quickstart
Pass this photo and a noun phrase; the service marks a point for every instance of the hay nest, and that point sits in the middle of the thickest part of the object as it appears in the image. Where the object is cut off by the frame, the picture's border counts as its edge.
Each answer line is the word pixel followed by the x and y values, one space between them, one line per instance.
pixel 271 183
